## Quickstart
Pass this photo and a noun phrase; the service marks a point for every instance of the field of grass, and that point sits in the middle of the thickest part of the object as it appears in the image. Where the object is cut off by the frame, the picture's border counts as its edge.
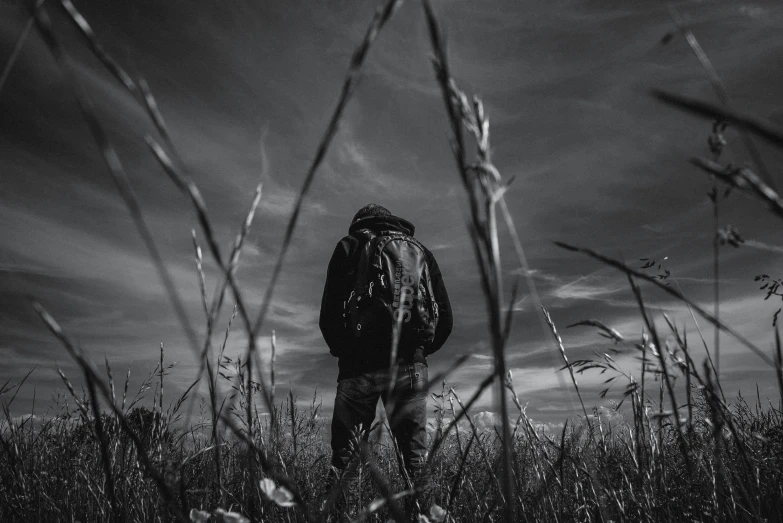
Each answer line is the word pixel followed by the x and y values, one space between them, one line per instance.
pixel 629 470
pixel 672 452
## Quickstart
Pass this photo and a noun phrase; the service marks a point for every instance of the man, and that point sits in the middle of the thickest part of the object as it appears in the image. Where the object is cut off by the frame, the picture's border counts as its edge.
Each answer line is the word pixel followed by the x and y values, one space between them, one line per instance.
pixel 364 361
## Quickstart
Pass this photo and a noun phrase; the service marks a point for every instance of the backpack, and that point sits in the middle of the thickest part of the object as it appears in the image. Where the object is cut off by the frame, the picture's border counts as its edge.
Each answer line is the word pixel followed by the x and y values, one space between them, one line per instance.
pixel 392 287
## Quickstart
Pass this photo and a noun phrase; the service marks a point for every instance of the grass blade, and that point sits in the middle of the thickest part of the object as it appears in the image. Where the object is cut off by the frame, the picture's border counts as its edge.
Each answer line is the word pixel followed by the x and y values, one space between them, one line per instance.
pixel 704 314
pixel 382 15
pixel 763 128
pixel 116 170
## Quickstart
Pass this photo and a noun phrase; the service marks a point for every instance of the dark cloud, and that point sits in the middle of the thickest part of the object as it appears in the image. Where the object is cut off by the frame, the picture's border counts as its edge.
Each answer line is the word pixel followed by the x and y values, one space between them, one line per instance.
pixel 247 91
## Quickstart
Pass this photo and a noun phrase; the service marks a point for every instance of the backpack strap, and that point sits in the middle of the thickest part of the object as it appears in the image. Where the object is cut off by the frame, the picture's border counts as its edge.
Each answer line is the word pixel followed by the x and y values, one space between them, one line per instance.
pixel 430 291
pixel 364 237
pixel 363 251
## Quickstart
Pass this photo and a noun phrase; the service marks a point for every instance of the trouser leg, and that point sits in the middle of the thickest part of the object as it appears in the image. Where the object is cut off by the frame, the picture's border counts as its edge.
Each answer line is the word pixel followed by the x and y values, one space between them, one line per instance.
pixel 354 410
pixel 408 421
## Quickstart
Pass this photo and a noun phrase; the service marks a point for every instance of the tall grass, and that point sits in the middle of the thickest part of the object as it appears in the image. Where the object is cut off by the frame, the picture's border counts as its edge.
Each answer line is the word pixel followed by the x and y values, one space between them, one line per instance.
pixel 632 469
pixel 94 458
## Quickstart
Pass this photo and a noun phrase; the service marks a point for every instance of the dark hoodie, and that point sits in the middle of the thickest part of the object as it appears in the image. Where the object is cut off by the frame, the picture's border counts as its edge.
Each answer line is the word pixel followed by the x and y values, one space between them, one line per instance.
pixel 339 282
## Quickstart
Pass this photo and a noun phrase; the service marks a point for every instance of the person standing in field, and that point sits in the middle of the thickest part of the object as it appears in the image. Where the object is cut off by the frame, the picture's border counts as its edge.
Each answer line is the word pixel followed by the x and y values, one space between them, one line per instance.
pixel 384 310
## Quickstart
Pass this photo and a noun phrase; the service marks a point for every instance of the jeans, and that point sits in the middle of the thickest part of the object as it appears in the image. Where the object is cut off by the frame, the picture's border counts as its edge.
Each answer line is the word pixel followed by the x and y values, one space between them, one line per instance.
pixel 406 409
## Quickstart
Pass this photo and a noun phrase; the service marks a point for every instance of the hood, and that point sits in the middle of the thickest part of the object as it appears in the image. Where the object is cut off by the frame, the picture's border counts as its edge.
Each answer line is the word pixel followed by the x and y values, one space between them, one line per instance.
pixel 383 223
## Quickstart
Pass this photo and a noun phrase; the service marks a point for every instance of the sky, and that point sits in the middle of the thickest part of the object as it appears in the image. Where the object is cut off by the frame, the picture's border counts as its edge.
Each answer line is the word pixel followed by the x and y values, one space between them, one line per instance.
pixel 247 89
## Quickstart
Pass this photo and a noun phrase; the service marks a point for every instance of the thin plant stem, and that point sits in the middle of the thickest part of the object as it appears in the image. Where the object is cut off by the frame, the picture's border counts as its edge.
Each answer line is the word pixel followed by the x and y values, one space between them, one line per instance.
pixel 559 342
pixel 677 294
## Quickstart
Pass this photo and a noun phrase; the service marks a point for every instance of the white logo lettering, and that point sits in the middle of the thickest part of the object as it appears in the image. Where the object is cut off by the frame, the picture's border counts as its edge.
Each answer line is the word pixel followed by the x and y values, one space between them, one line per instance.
pixel 403 293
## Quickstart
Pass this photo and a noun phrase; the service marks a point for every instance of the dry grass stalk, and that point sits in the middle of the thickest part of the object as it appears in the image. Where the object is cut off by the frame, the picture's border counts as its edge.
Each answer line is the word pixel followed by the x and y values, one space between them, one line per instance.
pixel 145 97
pixel 92 41
pixel 485 190
pixel 458 478
pixel 717 146
pixel 437 442
pixel 96 384
pixel 382 15
pixel 202 284
pixel 719 88
pixel 189 188
pixel 779 365
pixel 268 468
pixel 219 294
pixel 672 292
pixel 559 341
pixel 19 44
pixel 115 167
pixel 758 126
pixel 475 434
pixel 744 179
pixel 686 451
pixel 701 337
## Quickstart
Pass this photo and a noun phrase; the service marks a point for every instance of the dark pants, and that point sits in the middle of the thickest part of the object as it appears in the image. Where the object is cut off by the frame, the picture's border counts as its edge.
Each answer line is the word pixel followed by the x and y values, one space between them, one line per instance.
pixel 406 409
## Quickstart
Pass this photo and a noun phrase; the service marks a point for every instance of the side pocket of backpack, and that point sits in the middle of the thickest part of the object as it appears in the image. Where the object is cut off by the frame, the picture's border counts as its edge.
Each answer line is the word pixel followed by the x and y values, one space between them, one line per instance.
pixel 432 304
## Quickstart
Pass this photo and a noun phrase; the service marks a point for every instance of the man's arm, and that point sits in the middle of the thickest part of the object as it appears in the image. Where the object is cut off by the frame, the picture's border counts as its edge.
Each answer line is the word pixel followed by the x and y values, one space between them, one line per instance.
pixel 331 319
pixel 445 319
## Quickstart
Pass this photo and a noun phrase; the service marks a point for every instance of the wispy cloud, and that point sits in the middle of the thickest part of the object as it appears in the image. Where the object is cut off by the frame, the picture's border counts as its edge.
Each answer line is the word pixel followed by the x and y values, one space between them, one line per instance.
pixel 583 289
pixel 246 93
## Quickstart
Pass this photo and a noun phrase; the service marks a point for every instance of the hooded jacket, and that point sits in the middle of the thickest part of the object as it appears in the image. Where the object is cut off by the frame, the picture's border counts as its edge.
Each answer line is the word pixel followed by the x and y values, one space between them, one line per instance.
pixel 339 283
